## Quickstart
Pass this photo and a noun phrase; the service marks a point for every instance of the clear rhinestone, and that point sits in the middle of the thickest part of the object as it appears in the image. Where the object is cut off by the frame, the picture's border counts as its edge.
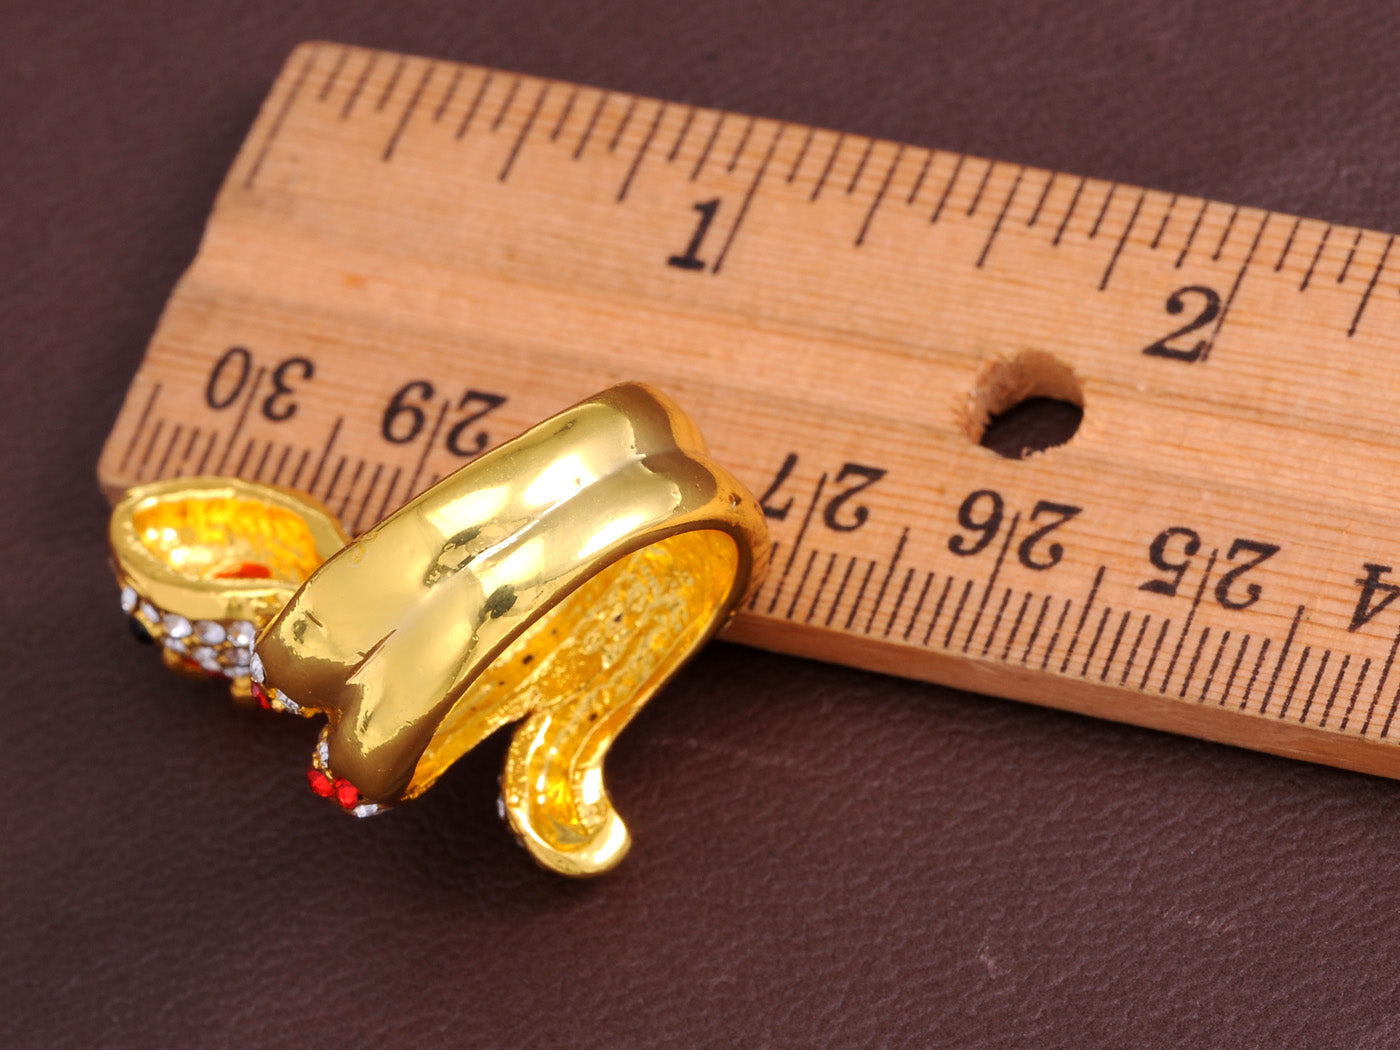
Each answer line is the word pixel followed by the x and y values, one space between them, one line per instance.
pixel 500 807
pixel 237 658
pixel 175 645
pixel 242 634
pixel 210 632
pixel 288 704
pixel 323 753
pixel 150 613
pixel 255 669
pixel 176 626
pixel 206 657
pixel 367 809
pixel 129 599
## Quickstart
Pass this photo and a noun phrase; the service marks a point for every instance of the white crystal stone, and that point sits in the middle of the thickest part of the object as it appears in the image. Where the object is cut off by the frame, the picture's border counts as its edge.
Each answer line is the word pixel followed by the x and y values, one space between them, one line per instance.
pixel 367 809
pixel 150 613
pixel 176 626
pixel 129 599
pixel 210 632
pixel 255 668
pixel 242 634
pixel 237 658
pixel 323 753
pixel 288 704
pixel 206 657
pixel 500 807
pixel 175 645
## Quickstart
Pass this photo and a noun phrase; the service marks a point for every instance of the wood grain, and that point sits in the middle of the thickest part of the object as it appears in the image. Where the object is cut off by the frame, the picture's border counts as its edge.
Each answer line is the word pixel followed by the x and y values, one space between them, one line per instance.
pixel 413 260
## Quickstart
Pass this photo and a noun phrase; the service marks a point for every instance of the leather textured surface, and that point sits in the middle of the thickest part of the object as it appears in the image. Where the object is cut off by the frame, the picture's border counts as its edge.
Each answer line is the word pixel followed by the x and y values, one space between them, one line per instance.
pixel 823 857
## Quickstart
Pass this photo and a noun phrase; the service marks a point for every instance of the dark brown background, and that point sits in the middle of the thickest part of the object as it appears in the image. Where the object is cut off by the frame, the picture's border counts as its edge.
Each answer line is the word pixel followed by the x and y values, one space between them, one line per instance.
pixel 823 857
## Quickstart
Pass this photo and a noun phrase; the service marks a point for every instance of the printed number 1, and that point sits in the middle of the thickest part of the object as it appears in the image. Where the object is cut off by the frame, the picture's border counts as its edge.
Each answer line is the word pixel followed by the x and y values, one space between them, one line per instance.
pixel 691 260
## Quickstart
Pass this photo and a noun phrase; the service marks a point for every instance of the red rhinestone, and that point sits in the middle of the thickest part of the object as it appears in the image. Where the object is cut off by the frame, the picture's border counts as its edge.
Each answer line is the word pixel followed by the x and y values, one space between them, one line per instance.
pixel 345 793
pixel 320 783
pixel 248 570
pixel 260 695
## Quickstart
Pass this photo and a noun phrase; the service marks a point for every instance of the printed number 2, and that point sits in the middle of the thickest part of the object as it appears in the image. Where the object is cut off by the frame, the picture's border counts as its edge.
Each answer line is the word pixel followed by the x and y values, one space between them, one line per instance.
pixel 1210 309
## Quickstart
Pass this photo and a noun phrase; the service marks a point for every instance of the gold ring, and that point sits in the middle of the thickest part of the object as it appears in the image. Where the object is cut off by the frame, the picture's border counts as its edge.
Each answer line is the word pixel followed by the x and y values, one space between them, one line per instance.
pixel 204 564
pixel 560 579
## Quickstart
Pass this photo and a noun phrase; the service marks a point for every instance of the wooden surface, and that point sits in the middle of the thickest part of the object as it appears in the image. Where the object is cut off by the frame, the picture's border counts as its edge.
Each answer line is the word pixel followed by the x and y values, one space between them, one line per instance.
pixel 412 260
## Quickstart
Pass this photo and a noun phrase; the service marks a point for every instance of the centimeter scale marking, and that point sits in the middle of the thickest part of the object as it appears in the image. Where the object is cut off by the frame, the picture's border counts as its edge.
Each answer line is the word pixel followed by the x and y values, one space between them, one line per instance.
pixel 412 260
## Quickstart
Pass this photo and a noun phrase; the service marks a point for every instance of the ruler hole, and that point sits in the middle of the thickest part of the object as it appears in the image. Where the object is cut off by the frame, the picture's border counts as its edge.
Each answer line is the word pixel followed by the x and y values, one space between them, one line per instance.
pixel 1024 404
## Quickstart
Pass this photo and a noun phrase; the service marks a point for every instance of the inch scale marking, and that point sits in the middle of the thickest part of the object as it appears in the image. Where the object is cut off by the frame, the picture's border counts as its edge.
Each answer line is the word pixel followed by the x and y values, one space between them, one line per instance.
pixel 412 260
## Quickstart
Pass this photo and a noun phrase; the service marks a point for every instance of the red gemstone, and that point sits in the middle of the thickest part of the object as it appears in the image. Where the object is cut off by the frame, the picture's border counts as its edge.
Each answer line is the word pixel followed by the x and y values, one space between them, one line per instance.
pixel 248 570
pixel 260 695
pixel 320 783
pixel 346 794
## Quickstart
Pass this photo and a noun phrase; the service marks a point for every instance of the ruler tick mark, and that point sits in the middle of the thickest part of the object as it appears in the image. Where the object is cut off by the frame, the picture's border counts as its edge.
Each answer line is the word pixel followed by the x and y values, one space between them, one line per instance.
pixel 797 542
pixel 1225 235
pixel 359 85
pixel 1371 286
pixel 981 188
pixel 801 154
pixel 242 418
pixel 1132 653
pixel 1035 631
pixel 1235 288
pixel 1195 659
pixel 1234 670
pixel 1351 254
pixel 1083 617
pixel 1156 652
pixel 470 114
pixel 1118 249
pixel 1098 219
pixel 938 608
pixel 919 179
pixel 840 591
pixel 208 451
pixel 680 135
pixel 1166 218
pixel 709 145
pixel 1190 617
pixel 1055 638
pixel 802 583
pixel 1293 686
pixel 1094 645
pixel 1214 666
pixel 1380 684
pixel 1016 627
pixel 1317 681
pixel 393 83
pixel 622 125
pixel 739 148
pixel 884 586
pixel 957 615
pixel 388 495
pixel 519 142
pixel 334 74
pixel 369 493
pixel 879 195
pixel 860 594
pixel 1040 202
pixel 281 464
pixel 407 113
pixel 991 581
pixel 826 171
pixel 748 198
pixel 918 606
pixel 262 462
pixel 996 621
pixel 1254 674
pixel 1001 216
pixel 140 426
pixel 350 492
pixel 899 602
pixel 948 189
pixel 449 94
pixel 1113 648
pixel 1282 659
pixel 1191 237
pixel 1355 693
pixel 1288 244
pixel 506 103
pixel 860 168
pixel 569 108
pixel 1069 213
pixel 275 128
pixel 175 433
pixel 816 598
pixel 325 454
pixel 1336 688
pixel 243 461
pixel 1321 244
pixel 641 152
pixel 189 449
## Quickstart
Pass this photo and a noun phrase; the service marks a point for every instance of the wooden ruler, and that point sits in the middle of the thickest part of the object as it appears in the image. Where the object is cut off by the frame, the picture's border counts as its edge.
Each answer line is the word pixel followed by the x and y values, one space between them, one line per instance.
pixel 413 260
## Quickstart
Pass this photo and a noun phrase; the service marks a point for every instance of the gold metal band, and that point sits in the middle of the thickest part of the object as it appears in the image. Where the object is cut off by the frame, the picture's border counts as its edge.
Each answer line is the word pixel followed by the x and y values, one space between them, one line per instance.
pixel 559 579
